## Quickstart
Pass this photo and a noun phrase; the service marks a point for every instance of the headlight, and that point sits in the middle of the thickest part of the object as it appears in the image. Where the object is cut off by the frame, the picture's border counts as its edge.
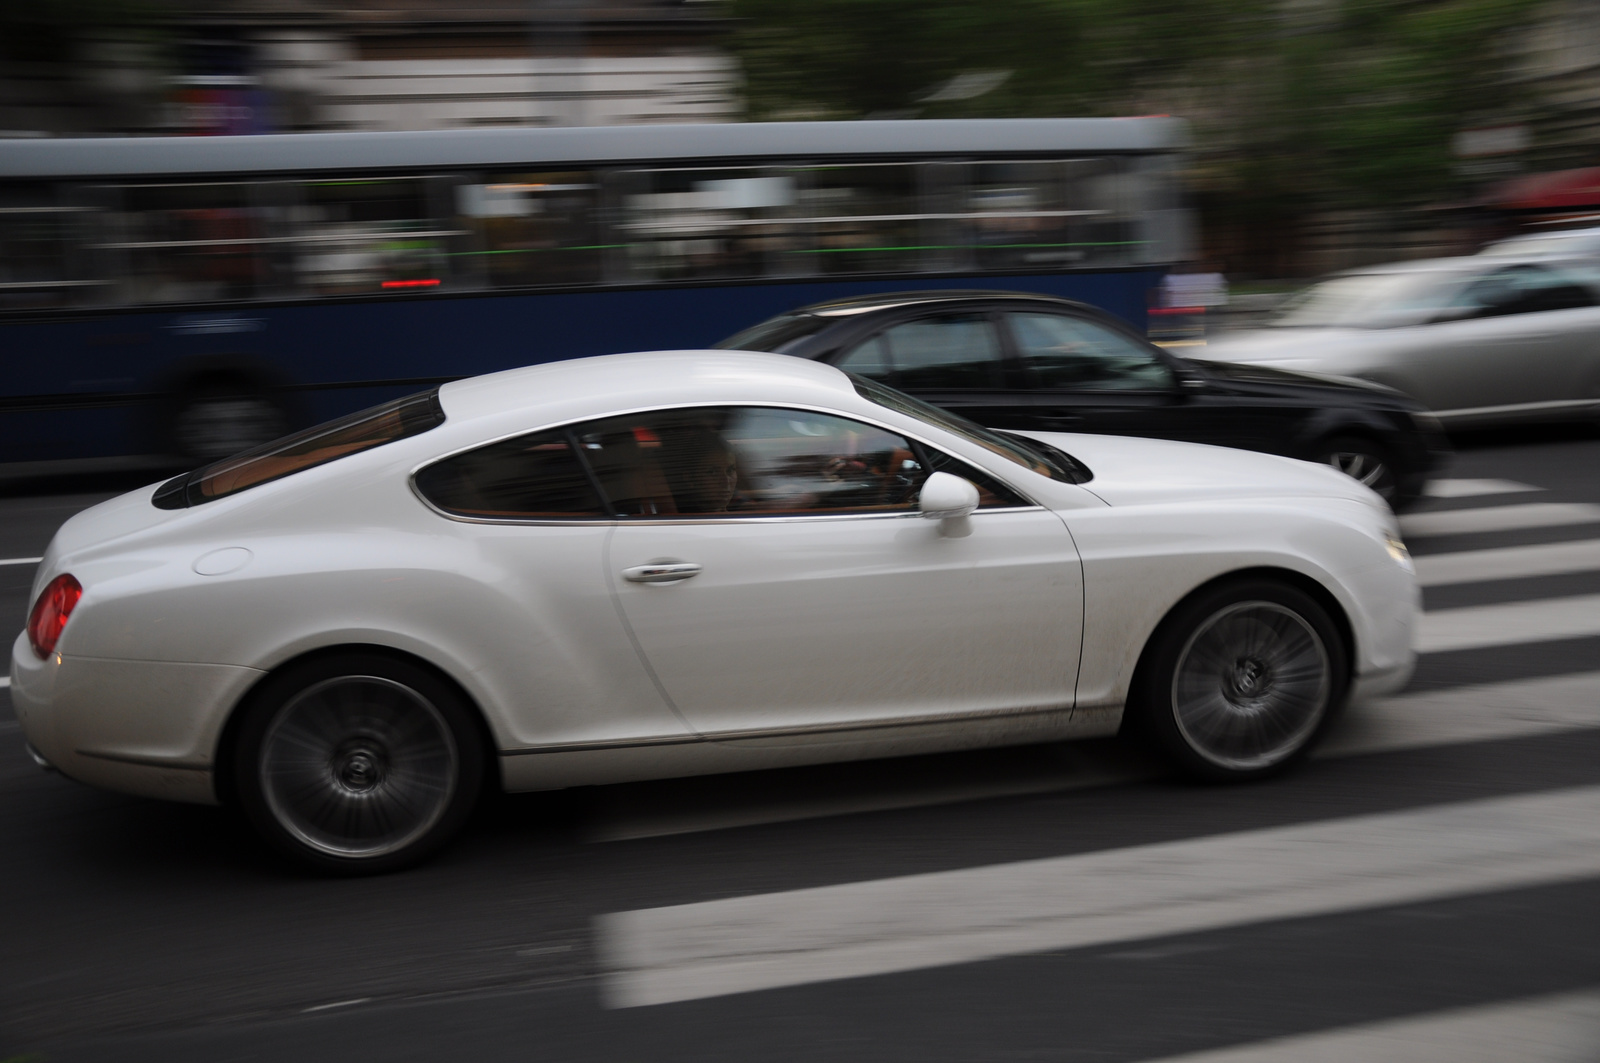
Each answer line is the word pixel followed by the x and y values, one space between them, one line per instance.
pixel 1398 551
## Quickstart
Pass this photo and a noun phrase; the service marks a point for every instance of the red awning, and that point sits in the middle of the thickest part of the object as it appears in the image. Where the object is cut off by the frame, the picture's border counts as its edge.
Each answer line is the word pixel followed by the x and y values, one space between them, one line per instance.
pixel 1561 190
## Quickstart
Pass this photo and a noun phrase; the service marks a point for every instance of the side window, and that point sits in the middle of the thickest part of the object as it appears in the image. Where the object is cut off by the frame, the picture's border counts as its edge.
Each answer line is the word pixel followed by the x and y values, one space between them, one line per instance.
pixel 532 477
pixel 1523 290
pixel 750 461
pixel 1069 352
pixel 869 359
pixel 992 494
pixel 949 352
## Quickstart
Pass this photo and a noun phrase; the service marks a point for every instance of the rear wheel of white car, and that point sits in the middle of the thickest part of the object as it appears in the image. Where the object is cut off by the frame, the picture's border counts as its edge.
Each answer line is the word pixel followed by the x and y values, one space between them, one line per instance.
pixel 358 764
pixel 1240 680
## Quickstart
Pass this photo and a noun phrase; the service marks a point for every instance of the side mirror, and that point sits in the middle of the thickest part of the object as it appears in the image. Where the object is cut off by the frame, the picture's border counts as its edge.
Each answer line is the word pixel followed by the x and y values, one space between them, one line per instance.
pixel 947 497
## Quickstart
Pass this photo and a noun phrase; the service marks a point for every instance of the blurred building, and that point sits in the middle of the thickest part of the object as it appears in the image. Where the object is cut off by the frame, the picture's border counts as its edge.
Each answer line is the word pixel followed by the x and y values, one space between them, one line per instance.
pixel 246 66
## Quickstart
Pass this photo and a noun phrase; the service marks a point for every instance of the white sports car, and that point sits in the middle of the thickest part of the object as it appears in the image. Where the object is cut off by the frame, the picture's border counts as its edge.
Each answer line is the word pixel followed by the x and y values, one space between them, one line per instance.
pixel 665 564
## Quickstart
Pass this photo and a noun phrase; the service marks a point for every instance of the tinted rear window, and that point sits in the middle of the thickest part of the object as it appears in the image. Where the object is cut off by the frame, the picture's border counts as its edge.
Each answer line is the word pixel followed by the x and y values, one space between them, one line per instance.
pixel 327 442
pixel 527 478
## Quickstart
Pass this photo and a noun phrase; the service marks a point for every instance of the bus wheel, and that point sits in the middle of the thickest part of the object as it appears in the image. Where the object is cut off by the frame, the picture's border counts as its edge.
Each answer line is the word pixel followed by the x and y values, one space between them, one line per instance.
pixel 216 421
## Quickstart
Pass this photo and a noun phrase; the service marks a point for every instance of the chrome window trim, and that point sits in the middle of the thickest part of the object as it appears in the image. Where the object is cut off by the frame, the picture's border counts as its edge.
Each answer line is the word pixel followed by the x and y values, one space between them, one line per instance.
pixel 411 477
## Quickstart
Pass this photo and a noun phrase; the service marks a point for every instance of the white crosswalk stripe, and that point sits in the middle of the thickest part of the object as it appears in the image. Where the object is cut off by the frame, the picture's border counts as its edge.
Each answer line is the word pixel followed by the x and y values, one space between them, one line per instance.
pixel 1563 1028
pixel 1512 562
pixel 1498 518
pixel 1447 488
pixel 1497 711
pixel 1479 626
pixel 797 937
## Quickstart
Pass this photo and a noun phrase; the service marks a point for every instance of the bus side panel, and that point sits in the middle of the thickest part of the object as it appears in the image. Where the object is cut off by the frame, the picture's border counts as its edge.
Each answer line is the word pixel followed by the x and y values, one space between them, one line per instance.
pixel 327 359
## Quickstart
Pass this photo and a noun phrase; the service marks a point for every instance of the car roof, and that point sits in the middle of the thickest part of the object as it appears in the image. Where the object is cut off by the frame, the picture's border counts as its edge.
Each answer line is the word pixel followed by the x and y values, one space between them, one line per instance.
pixel 861 304
pixel 589 387
pixel 1461 264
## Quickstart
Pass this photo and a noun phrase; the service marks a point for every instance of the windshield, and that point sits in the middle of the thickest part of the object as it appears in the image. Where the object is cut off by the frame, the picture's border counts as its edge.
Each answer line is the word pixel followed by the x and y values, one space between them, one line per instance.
pixel 360 431
pixel 1364 300
pixel 774 334
pixel 1035 457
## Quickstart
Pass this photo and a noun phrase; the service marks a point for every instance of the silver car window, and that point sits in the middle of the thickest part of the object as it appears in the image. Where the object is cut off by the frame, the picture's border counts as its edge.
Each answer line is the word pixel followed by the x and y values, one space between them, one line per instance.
pixel 1523 289
pixel 1366 300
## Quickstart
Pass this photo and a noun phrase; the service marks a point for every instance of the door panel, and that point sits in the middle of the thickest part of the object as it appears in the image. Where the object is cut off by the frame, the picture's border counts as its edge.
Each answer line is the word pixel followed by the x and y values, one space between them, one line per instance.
pixel 818 622
pixel 776 574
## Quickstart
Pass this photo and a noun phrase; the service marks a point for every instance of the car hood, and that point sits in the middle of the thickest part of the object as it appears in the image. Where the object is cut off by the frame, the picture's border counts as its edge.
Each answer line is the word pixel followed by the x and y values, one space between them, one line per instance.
pixel 1281 378
pixel 1131 471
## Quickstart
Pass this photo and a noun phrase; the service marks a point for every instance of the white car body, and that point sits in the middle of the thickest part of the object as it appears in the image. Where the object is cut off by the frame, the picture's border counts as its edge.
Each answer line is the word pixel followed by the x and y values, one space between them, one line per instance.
pixel 804 640
pixel 1471 371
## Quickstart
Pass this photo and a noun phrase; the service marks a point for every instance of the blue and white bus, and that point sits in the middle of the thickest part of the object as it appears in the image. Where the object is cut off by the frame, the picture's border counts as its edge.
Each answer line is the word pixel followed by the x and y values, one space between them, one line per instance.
pixel 188 297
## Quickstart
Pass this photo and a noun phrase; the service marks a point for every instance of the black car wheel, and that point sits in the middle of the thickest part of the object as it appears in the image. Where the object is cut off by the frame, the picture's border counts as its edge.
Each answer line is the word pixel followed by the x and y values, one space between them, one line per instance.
pixel 1361 459
pixel 1240 680
pixel 358 764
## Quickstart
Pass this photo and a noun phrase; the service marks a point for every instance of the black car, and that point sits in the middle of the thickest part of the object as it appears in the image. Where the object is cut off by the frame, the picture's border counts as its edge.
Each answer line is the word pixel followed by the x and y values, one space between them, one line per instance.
pixel 1033 362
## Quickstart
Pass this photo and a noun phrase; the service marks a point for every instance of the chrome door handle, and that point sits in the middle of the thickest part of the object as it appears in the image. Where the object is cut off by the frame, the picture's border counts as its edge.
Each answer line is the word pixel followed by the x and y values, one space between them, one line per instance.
pixel 661 572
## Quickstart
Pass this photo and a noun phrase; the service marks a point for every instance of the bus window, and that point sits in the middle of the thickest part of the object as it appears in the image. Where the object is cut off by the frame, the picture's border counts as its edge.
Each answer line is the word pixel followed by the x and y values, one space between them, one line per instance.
pixel 40 263
pixel 533 228
pixel 862 219
pixel 1108 193
pixel 707 223
pixel 374 235
pixel 1021 214
pixel 190 243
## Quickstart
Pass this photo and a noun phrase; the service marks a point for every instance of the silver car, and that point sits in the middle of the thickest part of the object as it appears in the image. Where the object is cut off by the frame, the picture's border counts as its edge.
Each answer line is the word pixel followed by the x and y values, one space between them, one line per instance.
pixel 1564 243
pixel 1489 339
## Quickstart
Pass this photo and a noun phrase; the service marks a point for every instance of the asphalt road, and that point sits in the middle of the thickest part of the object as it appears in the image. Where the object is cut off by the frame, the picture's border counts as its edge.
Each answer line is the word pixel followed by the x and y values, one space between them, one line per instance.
pixel 1429 884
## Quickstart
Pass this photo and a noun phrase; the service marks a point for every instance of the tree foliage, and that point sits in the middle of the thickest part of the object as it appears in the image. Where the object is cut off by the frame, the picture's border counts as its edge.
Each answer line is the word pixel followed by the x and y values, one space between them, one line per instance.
pixel 1297 103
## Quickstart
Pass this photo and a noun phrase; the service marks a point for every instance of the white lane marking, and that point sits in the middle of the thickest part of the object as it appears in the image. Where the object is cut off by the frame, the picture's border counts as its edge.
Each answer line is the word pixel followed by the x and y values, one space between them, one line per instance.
pixel 1490 712
pixel 1562 1028
pixel 20 561
pixel 5 681
pixel 1487 712
pixel 799 937
pixel 1472 488
pixel 1512 562
pixel 336 1004
pixel 1511 623
pixel 1499 518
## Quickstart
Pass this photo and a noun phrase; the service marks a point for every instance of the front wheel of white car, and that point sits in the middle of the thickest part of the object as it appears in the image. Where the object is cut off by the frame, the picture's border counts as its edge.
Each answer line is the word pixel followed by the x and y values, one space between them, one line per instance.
pixel 1240 680
pixel 358 764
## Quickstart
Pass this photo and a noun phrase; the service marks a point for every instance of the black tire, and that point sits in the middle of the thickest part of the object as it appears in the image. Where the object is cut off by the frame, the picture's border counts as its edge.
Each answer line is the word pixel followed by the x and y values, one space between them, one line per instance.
pixel 1240 680
pixel 215 421
pixel 357 764
pixel 1361 459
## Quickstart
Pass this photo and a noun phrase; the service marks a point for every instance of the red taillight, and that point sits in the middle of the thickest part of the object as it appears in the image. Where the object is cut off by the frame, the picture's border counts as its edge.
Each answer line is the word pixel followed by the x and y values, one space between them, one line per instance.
pixel 50 613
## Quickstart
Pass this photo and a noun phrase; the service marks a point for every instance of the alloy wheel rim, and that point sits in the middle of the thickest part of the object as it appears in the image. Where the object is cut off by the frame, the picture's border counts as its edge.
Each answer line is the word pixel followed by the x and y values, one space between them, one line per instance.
pixel 1252 684
pixel 358 766
pixel 1363 466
